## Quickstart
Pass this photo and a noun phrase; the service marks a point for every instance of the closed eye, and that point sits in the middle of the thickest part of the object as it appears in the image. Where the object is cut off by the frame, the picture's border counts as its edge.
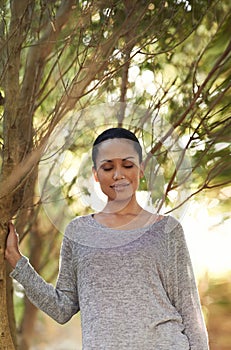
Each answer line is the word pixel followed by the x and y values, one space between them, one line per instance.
pixel 125 166
pixel 107 169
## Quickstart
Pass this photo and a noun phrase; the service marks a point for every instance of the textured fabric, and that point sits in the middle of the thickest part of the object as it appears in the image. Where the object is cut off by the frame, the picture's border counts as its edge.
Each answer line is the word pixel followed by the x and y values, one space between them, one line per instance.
pixel 135 289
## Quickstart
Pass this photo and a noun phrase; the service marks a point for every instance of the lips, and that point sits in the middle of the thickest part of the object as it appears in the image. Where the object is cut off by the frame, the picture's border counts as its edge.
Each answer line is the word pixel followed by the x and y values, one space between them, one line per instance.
pixel 120 185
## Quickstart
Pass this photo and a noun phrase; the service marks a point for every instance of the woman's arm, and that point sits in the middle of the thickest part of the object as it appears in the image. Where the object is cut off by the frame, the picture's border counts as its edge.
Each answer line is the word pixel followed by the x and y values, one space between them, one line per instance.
pixel 60 303
pixel 183 290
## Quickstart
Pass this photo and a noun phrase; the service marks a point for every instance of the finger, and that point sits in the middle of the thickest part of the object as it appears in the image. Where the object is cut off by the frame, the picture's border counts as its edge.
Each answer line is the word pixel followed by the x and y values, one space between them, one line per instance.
pixel 12 228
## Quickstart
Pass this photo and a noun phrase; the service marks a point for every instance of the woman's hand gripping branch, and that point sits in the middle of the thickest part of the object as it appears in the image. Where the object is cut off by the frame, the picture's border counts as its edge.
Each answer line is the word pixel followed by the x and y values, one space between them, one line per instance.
pixel 12 252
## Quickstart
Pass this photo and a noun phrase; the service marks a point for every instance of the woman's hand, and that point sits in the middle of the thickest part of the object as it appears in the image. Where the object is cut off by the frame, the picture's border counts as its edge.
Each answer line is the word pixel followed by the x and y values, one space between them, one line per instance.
pixel 12 253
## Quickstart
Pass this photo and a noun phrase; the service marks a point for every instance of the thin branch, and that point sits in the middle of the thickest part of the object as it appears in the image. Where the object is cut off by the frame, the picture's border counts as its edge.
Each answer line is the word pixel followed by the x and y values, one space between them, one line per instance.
pixel 192 103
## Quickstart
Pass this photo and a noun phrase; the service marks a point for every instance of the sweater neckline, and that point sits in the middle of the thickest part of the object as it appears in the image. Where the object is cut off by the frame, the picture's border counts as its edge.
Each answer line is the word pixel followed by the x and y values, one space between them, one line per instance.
pixel 145 228
pixel 85 230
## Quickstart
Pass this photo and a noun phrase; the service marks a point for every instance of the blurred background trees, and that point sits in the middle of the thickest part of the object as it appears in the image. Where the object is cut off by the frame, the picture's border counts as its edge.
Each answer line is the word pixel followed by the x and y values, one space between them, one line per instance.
pixel 68 69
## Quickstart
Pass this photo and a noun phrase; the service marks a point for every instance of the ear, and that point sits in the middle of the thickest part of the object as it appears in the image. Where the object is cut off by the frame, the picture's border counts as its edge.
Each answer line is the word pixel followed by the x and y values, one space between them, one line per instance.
pixel 141 170
pixel 95 174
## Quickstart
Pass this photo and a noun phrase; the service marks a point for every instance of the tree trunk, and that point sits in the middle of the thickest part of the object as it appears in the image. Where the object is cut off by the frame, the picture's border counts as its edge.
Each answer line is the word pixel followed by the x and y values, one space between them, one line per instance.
pixel 6 339
pixel 30 311
pixel 10 304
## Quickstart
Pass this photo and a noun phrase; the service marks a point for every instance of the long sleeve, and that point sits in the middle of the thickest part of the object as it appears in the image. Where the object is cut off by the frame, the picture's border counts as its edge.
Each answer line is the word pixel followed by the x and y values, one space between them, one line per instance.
pixel 183 291
pixel 60 302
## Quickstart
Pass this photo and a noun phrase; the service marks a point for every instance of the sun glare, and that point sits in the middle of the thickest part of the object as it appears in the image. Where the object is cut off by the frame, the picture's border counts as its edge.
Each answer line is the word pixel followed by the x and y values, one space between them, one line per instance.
pixel 208 240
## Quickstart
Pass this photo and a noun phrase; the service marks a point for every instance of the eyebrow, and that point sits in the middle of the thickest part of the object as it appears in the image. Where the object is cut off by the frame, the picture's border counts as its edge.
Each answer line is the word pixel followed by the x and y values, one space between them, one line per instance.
pixel 110 161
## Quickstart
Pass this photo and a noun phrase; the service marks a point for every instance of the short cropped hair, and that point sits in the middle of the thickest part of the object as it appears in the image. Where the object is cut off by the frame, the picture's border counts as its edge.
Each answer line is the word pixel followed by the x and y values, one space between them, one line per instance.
pixel 116 133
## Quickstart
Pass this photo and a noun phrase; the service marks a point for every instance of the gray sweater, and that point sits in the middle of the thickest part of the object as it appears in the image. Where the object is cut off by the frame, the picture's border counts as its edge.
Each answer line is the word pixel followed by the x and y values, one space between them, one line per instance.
pixel 135 289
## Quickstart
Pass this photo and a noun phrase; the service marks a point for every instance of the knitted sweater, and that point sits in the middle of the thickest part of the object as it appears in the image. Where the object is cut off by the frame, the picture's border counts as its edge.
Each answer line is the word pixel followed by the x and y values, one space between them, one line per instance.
pixel 135 289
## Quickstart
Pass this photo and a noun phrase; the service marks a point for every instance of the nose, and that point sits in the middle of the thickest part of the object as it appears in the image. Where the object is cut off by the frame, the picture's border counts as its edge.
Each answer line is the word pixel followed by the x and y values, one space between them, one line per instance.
pixel 118 174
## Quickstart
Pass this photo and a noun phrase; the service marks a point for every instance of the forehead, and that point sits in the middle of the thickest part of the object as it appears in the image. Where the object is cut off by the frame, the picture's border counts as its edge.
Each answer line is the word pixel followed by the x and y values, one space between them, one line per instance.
pixel 116 148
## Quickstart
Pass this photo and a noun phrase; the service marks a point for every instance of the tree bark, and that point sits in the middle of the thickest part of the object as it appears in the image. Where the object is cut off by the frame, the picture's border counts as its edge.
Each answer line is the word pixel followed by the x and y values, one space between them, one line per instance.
pixel 10 304
pixel 30 311
pixel 6 340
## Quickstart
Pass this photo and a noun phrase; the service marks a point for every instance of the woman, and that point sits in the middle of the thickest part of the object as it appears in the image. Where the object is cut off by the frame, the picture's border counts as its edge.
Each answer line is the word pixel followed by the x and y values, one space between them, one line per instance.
pixel 126 269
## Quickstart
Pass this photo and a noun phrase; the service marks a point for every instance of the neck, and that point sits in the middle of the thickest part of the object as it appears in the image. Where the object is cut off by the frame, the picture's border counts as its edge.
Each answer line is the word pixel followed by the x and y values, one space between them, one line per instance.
pixel 122 207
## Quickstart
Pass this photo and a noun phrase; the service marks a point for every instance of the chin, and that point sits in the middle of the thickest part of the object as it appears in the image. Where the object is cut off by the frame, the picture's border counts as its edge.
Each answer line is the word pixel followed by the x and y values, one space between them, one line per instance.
pixel 121 197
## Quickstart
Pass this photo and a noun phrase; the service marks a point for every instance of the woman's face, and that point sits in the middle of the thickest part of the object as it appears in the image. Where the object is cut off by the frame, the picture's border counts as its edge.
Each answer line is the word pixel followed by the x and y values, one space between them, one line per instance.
pixel 118 170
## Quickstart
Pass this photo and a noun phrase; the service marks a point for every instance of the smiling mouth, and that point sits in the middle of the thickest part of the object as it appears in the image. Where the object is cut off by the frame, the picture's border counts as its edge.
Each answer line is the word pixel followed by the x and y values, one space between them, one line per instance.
pixel 120 186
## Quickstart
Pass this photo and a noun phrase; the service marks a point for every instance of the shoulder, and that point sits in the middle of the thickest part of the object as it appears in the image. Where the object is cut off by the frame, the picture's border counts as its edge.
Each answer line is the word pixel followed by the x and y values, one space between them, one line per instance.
pixel 173 224
pixel 167 222
pixel 175 235
pixel 171 228
pixel 76 225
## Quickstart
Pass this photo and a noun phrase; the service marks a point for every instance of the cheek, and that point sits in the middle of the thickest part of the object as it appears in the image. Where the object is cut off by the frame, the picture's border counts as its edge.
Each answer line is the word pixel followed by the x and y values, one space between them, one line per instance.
pixel 103 177
pixel 135 178
pixel 137 173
